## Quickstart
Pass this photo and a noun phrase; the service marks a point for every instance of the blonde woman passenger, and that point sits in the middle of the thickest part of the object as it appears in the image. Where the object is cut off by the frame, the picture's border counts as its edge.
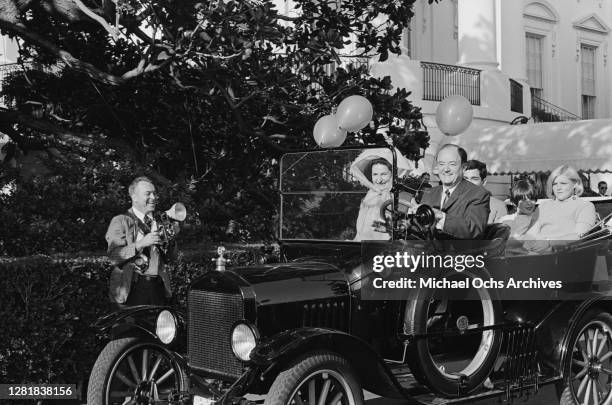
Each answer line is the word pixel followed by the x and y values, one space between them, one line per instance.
pixel 564 216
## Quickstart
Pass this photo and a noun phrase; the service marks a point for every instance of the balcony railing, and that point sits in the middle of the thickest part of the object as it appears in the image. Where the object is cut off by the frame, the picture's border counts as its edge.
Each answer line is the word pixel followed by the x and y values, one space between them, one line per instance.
pixel 441 81
pixel 516 96
pixel 543 111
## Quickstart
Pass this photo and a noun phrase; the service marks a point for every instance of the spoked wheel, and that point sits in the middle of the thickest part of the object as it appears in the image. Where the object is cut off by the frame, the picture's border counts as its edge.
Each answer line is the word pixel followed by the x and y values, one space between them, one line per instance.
pixel 590 366
pixel 132 371
pixel 452 359
pixel 319 378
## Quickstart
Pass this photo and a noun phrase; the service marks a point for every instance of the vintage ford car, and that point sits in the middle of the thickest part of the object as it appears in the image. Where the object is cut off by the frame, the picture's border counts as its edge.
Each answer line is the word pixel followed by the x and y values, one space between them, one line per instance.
pixel 309 328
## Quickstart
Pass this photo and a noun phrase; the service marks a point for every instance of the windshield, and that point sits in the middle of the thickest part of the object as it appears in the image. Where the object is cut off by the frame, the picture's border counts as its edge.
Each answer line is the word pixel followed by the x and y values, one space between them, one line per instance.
pixel 321 192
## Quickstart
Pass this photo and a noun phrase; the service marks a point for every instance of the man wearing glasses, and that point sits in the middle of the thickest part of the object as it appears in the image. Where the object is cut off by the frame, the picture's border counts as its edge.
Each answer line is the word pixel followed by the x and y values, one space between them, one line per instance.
pixel 461 208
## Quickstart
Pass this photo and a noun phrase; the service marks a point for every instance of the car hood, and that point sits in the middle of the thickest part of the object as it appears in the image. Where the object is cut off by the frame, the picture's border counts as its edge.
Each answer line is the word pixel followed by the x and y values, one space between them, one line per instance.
pixel 279 283
pixel 294 282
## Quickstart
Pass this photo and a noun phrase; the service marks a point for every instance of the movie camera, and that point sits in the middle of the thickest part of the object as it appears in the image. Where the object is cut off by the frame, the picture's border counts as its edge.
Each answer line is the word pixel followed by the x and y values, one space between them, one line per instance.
pixel 167 226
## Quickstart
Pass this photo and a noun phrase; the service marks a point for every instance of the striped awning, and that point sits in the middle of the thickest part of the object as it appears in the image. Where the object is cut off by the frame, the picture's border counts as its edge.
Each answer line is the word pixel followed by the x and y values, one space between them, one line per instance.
pixel 531 148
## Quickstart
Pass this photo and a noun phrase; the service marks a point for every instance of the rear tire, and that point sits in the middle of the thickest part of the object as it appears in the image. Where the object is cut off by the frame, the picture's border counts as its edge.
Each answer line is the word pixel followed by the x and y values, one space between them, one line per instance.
pixel 316 377
pixel 588 371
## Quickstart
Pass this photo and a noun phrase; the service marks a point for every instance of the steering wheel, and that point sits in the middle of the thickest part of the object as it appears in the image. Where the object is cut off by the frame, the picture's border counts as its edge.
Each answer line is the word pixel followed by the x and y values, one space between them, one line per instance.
pixel 418 223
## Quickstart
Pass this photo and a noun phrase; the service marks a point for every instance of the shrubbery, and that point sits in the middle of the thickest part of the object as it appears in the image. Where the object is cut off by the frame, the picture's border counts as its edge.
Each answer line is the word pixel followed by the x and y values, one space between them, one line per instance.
pixel 49 305
pixel 70 211
pixel 47 308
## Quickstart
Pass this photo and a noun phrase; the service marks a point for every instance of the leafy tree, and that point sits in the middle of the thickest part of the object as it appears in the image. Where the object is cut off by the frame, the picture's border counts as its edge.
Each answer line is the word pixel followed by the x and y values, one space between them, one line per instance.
pixel 204 96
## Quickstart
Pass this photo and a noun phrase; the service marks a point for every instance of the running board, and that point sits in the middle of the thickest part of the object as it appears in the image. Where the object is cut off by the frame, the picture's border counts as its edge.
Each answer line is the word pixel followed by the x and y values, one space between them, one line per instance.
pixel 414 389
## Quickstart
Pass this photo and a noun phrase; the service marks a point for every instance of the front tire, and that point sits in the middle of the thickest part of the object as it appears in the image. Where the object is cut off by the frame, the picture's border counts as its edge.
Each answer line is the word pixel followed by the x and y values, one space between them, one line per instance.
pixel 589 369
pixel 134 371
pixel 316 378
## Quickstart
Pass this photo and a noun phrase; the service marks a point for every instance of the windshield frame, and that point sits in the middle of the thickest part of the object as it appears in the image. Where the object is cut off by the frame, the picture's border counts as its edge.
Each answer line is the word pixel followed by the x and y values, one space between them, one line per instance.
pixel 394 190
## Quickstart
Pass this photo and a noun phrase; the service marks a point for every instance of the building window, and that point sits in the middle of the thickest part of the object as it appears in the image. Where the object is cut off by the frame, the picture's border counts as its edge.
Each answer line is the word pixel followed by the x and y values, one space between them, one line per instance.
pixel 588 107
pixel 587 57
pixel 534 63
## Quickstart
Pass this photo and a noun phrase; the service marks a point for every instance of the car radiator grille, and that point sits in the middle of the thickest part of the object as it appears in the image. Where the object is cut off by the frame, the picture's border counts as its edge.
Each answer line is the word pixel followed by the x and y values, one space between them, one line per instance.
pixel 211 317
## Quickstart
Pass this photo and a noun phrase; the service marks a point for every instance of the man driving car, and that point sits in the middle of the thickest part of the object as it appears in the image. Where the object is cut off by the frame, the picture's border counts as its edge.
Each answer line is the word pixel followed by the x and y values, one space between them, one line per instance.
pixel 461 208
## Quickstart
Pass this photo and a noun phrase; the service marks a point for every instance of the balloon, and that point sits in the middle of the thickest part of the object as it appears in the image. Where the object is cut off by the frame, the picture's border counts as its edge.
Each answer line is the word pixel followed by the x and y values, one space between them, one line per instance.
pixel 327 133
pixel 354 113
pixel 454 115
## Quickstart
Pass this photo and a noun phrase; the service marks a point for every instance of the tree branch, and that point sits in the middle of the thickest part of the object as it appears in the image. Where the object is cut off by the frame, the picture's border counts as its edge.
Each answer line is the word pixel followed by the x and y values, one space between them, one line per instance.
pixel 113 31
pixel 22 142
pixel 9 117
pixel 141 68
pixel 209 55
pixel 243 126
pixel 72 62
pixel 77 64
pixel 287 18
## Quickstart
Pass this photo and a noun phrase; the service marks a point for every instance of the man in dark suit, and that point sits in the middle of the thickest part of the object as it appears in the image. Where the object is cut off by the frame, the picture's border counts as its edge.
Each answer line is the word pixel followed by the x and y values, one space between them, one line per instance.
pixel 461 208
pixel 602 187
pixel 139 276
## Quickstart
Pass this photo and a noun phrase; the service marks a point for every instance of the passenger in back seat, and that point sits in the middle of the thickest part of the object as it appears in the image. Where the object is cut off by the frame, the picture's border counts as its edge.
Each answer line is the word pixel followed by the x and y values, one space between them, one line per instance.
pixel 523 197
pixel 565 216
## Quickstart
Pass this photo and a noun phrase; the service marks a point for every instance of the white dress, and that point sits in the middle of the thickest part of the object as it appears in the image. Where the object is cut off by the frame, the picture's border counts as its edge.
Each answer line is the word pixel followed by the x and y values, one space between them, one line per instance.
pixel 369 211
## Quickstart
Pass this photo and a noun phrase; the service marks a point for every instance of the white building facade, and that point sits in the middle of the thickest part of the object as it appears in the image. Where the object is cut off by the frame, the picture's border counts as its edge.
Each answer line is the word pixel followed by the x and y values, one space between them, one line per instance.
pixel 543 60
pixel 558 47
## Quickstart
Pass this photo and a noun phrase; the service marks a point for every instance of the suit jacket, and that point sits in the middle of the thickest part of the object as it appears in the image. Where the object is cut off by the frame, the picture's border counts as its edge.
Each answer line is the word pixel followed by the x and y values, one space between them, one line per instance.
pixel 121 238
pixel 467 209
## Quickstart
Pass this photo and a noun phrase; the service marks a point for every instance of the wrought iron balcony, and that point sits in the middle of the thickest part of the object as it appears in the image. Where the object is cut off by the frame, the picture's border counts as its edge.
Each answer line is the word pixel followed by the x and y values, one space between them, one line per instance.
pixel 440 81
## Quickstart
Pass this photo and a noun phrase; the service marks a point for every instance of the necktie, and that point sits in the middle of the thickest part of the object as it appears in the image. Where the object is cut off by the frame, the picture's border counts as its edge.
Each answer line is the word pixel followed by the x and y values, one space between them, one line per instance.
pixel 445 198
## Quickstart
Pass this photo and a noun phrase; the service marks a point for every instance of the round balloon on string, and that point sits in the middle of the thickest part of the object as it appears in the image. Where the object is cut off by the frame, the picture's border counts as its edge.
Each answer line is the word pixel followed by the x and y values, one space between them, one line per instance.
pixel 354 113
pixel 454 115
pixel 327 132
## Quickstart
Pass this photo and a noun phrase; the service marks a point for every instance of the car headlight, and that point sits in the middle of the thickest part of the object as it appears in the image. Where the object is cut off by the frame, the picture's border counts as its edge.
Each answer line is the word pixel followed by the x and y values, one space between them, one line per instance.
pixel 165 327
pixel 244 339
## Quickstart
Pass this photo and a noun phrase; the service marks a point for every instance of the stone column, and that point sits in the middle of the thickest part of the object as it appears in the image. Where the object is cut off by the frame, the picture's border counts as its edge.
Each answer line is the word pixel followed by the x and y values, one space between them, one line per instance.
pixel 477 30
pixel 513 40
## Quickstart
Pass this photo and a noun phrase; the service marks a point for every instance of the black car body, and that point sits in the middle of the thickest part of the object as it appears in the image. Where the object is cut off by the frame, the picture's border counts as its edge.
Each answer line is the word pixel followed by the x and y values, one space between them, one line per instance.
pixel 315 337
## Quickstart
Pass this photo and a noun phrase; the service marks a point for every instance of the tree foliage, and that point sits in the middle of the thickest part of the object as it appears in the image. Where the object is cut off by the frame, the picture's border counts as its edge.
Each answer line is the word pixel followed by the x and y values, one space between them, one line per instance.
pixel 203 95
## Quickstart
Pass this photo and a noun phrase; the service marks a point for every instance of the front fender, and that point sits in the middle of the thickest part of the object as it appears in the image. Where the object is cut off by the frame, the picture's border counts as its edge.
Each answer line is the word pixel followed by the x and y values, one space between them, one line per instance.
pixel 278 352
pixel 137 321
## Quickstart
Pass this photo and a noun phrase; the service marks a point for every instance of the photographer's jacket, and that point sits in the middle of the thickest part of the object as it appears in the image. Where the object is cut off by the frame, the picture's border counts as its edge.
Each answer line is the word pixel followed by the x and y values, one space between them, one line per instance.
pixel 121 237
